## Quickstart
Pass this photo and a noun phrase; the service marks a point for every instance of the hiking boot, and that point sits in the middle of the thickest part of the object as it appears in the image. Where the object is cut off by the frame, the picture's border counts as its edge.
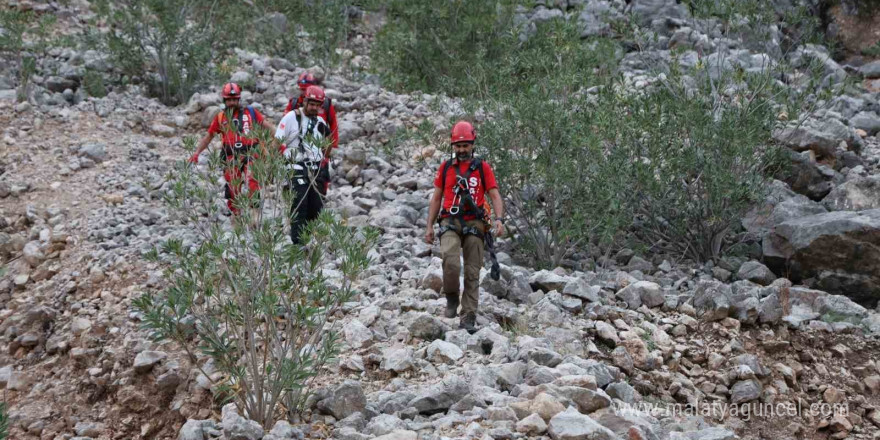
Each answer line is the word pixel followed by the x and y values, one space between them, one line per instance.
pixel 451 306
pixel 468 322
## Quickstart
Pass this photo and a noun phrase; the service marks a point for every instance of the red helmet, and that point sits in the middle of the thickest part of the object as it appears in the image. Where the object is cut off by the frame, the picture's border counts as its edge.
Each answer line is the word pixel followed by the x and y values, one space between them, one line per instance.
pixel 305 80
pixel 231 90
pixel 463 131
pixel 315 93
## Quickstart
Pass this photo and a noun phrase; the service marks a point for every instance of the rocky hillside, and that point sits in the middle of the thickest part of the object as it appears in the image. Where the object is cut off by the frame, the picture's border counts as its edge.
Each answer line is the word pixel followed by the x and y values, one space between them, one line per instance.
pixel 780 347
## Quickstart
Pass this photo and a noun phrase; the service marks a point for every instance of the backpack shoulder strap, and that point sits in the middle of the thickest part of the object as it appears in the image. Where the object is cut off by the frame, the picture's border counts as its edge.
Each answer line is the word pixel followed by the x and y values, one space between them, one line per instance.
pixel 299 119
pixel 326 106
pixel 482 174
pixel 253 114
pixel 237 120
pixel 445 167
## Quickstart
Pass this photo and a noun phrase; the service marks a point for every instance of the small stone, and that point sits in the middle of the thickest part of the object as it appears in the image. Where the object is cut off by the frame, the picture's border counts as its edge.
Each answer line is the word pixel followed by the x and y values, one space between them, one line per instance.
pixel 80 325
pixel 33 254
pixel 88 429
pixel 444 352
pixel 147 359
pixel 344 400
pixel 169 380
pixel 642 292
pixel 357 335
pixel 399 434
pixel 607 333
pixel 95 152
pixel 745 391
pixel 833 395
pixel 721 274
pixel 839 422
pixel 440 396
pixel 18 381
pixel 397 359
pixel 572 425
pixel 756 272
pixel 197 430
pixel 162 130
pixel 113 199
pixel 428 328
pixel 533 425
pixel 872 383
pixel 546 406
pixel 236 427
pixel 383 424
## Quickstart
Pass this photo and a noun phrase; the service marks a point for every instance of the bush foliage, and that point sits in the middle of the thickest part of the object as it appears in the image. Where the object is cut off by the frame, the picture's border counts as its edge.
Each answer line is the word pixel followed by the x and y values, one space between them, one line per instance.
pixel 257 305
pixel 585 155
pixel 173 46
pixel 24 38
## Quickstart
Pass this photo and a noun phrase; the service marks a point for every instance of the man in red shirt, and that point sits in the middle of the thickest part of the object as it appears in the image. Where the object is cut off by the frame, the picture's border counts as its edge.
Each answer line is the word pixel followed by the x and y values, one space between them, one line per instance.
pixel 460 188
pixel 234 126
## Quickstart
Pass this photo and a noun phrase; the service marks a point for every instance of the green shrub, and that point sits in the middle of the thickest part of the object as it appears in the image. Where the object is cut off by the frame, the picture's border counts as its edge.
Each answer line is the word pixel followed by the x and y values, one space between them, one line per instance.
pixel 583 156
pixel 690 163
pixel 4 421
pixel 169 45
pixel 245 296
pixel 327 25
pixel 93 82
pixel 872 51
pixel 24 37
pixel 450 46
pixel 543 148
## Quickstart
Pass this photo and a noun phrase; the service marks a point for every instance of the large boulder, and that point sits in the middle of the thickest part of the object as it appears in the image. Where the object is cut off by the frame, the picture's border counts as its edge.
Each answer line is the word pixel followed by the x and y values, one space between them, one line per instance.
pixel 780 205
pixel 646 11
pixel 822 136
pixel 712 300
pixel 512 286
pixel 841 250
pixel 343 401
pixel 236 427
pixel 440 396
pixel 868 121
pixel 546 280
pixel 572 425
pixel 808 177
pixel 756 272
pixel 855 195
pixel 641 292
pixel 595 18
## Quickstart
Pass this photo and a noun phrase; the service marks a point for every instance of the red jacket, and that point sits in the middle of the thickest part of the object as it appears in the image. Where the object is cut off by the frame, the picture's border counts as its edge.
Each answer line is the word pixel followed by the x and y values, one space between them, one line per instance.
pixel 328 112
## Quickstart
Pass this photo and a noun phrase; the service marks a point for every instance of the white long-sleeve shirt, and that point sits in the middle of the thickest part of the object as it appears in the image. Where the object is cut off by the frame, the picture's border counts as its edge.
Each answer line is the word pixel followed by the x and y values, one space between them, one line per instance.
pixel 302 136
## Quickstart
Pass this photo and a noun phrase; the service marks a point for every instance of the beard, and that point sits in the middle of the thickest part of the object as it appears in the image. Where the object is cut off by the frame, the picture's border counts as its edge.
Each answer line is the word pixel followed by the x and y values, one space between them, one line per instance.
pixel 464 156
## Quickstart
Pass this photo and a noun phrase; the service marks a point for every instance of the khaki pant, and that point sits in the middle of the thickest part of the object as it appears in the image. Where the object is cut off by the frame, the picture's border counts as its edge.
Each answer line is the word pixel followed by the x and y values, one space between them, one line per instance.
pixel 451 248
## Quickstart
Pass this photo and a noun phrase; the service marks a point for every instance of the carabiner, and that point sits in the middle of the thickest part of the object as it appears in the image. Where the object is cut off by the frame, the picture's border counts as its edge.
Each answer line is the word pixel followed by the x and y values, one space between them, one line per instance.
pixel 454 208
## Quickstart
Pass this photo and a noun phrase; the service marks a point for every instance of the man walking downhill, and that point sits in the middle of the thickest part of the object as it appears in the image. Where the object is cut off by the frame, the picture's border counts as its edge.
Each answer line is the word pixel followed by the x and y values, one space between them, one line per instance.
pixel 327 111
pixel 304 138
pixel 234 125
pixel 460 189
